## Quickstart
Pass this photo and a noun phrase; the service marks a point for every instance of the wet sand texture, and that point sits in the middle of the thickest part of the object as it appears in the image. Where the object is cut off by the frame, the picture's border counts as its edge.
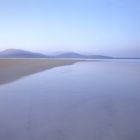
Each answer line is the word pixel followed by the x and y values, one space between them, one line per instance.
pixel 14 69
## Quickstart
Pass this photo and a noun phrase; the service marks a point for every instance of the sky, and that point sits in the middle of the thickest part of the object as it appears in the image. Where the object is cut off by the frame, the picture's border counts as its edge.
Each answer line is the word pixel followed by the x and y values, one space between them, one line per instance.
pixel 109 27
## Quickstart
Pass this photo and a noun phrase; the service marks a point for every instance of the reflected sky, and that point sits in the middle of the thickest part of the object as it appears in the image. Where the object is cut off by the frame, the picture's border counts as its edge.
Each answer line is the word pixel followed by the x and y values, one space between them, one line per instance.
pixel 87 100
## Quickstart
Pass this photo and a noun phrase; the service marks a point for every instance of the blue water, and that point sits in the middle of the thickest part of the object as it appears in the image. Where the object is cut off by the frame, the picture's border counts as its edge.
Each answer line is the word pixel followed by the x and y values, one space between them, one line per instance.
pixel 85 101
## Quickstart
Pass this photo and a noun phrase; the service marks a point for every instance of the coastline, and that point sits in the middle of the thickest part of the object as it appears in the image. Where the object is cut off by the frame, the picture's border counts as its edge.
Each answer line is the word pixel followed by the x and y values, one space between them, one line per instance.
pixel 12 69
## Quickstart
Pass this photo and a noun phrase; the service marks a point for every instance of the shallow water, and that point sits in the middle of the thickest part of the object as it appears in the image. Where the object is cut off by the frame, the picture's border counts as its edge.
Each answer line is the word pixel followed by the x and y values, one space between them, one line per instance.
pixel 84 101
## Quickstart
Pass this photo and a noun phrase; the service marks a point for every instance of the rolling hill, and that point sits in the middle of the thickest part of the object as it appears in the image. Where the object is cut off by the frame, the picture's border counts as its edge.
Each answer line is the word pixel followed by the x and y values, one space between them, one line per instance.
pixel 77 55
pixel 15 53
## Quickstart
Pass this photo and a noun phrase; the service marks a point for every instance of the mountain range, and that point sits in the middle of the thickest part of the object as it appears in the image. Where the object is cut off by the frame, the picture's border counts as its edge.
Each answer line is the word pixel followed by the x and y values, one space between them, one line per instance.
pixel 77 55
pixel 16 53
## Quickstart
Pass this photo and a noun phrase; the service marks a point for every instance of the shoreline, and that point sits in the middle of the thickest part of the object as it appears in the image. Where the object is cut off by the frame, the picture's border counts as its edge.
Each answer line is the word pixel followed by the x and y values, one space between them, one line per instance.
pixel 14 69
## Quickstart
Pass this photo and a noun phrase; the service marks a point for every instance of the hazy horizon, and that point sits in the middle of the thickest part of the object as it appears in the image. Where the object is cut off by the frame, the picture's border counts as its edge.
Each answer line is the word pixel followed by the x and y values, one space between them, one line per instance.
pixel 106 27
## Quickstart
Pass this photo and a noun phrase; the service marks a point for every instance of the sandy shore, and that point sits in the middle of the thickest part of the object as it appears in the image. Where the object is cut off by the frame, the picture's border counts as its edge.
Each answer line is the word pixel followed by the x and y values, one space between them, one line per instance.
pixel 86 101
pixel 14 69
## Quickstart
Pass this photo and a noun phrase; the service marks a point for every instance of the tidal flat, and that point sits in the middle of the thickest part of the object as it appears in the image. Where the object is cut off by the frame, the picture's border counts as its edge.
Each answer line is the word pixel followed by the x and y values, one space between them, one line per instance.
pixel 69 99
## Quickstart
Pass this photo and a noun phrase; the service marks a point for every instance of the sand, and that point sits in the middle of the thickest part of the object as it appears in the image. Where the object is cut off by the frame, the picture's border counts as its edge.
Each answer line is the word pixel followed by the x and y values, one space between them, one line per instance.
pixel 84 101
pixel 14 69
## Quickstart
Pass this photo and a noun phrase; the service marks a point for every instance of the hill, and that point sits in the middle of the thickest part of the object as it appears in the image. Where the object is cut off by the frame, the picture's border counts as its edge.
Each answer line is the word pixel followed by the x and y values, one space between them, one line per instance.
pixel 77 55
pixel 15 53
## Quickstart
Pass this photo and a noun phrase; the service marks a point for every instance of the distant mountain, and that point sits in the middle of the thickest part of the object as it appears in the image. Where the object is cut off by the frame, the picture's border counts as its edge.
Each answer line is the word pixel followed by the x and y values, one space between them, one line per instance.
pixel 77 55
pixel 15 53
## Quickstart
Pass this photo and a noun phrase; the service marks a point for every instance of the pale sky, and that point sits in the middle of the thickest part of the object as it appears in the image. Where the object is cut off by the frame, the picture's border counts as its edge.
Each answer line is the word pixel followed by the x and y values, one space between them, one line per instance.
pixel 109 27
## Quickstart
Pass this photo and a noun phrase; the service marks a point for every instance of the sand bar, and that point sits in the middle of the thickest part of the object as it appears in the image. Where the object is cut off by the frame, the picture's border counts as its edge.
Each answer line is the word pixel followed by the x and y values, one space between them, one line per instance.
pixel 14 69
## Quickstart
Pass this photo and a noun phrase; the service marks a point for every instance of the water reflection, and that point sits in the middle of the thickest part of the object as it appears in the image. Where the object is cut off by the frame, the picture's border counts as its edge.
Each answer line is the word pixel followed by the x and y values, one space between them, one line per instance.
pixel 87 100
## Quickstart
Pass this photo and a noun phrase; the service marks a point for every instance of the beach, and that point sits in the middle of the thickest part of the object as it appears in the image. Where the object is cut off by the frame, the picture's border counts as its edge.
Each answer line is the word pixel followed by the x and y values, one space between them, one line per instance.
pixel 84 100
pixel 13 69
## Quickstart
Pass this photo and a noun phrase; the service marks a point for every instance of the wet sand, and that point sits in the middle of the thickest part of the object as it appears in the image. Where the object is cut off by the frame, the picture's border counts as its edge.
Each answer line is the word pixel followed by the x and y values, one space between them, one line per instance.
pixel 14 69
pixel 84 101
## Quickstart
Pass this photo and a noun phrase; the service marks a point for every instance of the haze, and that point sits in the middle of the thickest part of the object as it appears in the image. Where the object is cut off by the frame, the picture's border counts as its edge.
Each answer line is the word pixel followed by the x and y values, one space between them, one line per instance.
pixel 107 27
